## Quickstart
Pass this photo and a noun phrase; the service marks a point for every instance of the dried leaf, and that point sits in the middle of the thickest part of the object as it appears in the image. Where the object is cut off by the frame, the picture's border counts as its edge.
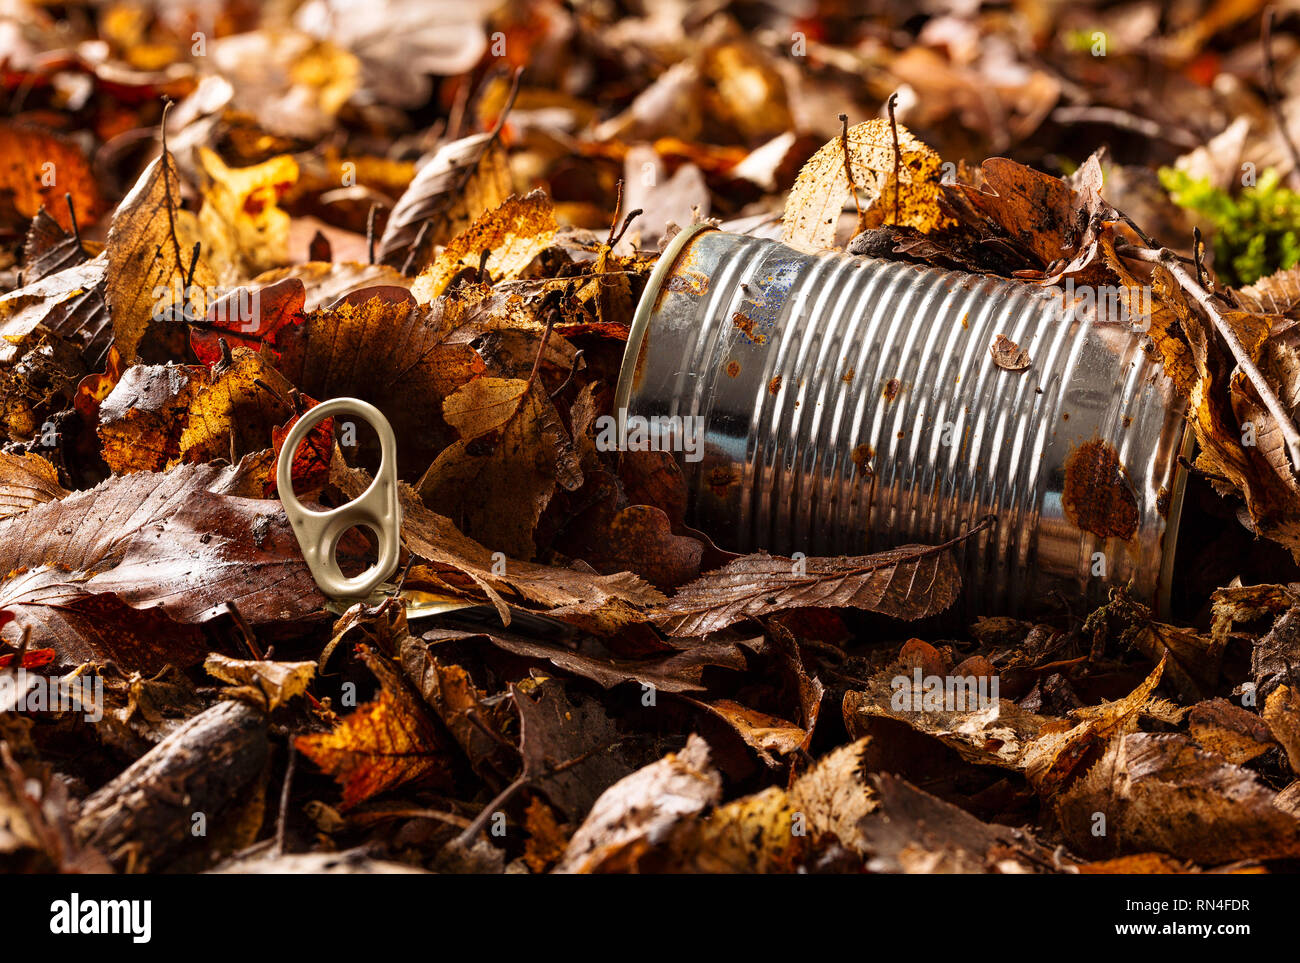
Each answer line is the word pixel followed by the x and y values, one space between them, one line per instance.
pixel 26 481
pixel 813 207
pixel 150 250
pixel 266 684
pixel 384 744
pixel 461 181
pixel 910 582
pixel 39 166
pixel 513 234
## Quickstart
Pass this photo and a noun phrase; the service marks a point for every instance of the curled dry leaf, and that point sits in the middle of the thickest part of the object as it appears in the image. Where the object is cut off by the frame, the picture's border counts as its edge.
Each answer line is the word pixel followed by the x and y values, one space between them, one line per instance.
pixel 461 181
pixel 813 207
pixel 643 809
pixel 150 251
pixel 1160 792
pixel 26 481
pixel 266 684
pixel 1008 355
pixel 512 235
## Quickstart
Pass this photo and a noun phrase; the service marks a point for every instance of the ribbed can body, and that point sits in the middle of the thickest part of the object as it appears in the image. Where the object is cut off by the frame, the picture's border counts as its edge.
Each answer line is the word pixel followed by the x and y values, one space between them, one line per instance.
pixel 849 405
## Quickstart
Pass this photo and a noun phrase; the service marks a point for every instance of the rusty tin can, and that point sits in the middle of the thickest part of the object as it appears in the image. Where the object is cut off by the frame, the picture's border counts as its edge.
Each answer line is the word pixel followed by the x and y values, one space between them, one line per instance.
pixel 846 405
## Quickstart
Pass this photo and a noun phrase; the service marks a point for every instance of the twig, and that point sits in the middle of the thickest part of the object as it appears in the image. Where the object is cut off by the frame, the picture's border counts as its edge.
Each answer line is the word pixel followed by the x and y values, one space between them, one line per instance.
pixel 1205 299
pixel 1198 257
pixel 1273 98
pixel 848 167
pixel 551 316
pixel 1122 119
pixel 898 154
pixel 72 215
pixel 370 232
pixel 573 368
pixel 284 802
pixel 417 247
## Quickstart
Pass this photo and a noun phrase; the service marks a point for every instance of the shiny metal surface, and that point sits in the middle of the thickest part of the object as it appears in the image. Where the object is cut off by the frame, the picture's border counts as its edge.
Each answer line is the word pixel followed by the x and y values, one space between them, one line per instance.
pixel 850 405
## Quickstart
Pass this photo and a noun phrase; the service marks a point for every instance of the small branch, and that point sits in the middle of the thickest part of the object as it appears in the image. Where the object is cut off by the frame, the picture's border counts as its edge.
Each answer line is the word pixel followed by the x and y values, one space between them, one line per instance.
pixel 618 209
pixel 573 368
pixel 72 216
pixel 1274 99
pixel 1198 257
pixel 416 248
pixel 370 232
pixel 898 154
pixel 848 166
pixel 284 802
pixel 1206 300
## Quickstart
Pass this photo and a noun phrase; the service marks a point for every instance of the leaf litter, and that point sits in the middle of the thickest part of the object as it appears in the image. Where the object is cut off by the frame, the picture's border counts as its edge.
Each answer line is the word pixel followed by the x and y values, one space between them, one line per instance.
pixel 383 214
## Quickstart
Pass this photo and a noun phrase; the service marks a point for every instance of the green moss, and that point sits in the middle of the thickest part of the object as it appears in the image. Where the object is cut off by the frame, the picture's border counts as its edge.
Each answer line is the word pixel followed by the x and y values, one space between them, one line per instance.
pixel 1256 231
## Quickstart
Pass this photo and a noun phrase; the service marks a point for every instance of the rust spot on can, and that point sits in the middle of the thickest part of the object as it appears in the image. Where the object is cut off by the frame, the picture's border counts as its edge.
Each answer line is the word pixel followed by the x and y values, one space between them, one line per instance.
pixel 848 376
pixel 774 386
pixel 862 455
pixel 1097 496
pixel 720 479
pixel 688 282
pixel 733 368
pixel 892 387
pixel 746 326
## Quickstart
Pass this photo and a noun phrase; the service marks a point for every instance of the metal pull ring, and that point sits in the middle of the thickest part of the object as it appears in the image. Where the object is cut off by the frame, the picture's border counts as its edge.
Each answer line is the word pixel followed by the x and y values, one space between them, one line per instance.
pixel 377 508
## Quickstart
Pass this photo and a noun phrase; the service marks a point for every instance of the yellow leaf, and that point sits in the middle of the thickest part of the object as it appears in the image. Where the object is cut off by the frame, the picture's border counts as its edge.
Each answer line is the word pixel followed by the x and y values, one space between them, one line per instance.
pixel 812 210
pixel 244 229
pixel 379 746
pixel 150 249
pixel 513 234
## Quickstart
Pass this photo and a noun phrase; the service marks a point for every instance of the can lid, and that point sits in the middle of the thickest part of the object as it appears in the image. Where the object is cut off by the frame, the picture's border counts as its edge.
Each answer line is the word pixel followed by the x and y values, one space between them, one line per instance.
pixel 641 320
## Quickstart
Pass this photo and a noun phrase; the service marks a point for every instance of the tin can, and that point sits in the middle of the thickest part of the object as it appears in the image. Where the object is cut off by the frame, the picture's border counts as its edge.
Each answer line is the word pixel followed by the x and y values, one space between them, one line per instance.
pixel 846 404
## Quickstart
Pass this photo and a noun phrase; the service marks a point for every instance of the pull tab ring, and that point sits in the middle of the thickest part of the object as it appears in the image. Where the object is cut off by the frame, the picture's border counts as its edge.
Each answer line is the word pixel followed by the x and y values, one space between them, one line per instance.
pixel 377 508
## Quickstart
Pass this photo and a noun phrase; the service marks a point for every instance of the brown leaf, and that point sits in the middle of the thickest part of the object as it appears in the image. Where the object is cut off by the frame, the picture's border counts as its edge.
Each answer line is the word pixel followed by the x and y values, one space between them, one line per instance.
pixel 513 234
pixel 1008 355
pixel 495 488
pixel 179 547
pixel 910 582
pixel 150 250
pixel 571 749
pixel 1228 730
pixel 26 481
pixel 643 809
pixel 460 181
pixel 266 684
pixel 384 744
pixel 451 693
pixel 39 166
pixel 49 249
pixel 1282 713
pixel 812 209
pixel 394 355
pixel 1159 792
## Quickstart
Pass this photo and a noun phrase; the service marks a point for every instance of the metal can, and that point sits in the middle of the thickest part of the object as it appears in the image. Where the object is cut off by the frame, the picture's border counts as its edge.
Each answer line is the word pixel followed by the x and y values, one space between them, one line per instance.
pixel 847 404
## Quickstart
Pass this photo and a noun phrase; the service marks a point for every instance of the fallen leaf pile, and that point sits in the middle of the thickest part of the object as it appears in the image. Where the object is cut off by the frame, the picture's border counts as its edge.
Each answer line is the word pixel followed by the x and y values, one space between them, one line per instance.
pixel 453 216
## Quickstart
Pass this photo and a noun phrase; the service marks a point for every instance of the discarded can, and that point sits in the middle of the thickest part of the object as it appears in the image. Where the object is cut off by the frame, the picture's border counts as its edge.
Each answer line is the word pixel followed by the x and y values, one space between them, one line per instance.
pixel 843 405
